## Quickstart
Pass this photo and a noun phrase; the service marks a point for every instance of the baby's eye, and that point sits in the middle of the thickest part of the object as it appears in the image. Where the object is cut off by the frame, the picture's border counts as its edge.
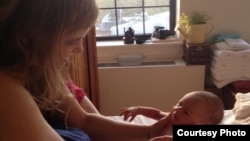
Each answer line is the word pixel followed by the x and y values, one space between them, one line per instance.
pixel 178 104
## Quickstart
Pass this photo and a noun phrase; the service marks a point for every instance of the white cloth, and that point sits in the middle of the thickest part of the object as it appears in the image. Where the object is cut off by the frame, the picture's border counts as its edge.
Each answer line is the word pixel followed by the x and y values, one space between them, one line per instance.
pixel 241 108
pixel 227 54
pixel 237 44
pixel 232 44
pixel 228 66
pixel 139 119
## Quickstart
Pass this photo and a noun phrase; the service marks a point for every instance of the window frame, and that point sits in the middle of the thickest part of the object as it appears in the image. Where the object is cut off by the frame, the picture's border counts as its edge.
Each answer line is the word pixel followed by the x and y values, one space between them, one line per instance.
pixel 172 19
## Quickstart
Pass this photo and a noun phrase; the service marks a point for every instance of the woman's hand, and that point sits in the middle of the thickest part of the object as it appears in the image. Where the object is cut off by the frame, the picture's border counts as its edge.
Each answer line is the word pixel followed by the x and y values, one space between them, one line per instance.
pixel 158 129
pixel 129 112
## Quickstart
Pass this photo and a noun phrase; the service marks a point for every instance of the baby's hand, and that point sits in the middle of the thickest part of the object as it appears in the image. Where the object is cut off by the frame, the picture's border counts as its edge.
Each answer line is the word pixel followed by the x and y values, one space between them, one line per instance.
pixel 129 112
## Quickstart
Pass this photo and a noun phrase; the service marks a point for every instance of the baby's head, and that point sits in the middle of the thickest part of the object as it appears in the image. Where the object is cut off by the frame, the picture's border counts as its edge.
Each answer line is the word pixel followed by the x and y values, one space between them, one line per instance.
pixel 198 107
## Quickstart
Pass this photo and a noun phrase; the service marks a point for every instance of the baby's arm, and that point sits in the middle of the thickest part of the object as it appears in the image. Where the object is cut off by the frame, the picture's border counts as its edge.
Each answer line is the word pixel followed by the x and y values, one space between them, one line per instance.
pixel 132 112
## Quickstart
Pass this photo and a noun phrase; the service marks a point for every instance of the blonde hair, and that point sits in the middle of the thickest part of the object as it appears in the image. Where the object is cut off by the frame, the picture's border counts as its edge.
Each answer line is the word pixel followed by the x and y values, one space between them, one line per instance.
pixel 31 39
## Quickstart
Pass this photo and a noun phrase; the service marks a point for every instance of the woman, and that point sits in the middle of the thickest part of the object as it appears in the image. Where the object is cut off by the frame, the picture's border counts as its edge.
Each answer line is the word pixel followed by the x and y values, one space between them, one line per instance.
pixel 37 38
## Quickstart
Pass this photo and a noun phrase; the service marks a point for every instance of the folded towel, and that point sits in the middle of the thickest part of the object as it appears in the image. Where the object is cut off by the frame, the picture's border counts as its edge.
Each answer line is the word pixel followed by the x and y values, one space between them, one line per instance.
pixel 232 44
pixel 229 74
pixel 222 46
pixel 228 57
pixel 222 83
pixel 229 64
pixel 231 53
pixel 237 43
pixel 235 61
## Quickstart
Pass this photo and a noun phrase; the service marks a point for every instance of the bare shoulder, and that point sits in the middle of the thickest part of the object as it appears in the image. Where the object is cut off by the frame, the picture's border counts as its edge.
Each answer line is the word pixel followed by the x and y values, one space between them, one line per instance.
pixel 13 95
pixel 20 116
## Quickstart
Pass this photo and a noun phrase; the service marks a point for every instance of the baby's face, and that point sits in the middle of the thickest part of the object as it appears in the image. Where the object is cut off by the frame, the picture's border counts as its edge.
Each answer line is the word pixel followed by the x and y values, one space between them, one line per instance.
pixel 189 110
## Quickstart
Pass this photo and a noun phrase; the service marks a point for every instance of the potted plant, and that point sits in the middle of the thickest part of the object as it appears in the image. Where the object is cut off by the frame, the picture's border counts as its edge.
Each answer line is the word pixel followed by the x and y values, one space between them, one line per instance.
pixel 192 26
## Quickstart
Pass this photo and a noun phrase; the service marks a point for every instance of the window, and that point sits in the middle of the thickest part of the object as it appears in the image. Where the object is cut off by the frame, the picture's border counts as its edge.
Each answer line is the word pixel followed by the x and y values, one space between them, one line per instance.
pixel 116 16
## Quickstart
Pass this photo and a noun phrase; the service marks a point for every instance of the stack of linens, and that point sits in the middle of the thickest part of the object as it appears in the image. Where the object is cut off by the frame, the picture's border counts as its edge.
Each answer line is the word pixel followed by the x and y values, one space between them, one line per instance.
pixel 230 62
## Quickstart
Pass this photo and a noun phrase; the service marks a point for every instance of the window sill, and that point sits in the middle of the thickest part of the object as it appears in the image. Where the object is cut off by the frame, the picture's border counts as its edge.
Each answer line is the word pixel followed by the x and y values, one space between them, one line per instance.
pixel 153 50
pixel 148 42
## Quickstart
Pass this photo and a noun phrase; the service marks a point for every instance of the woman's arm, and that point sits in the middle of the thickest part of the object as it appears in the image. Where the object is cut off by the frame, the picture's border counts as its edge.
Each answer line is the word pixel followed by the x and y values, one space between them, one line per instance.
pixel 81 97
pixel 21 119
pixel 150 112
pixel 102 128
pixel 88 106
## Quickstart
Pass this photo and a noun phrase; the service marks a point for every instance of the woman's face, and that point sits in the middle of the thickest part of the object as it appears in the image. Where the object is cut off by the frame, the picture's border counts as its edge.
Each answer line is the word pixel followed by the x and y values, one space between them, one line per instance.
pixel 73 43
pixel 189 110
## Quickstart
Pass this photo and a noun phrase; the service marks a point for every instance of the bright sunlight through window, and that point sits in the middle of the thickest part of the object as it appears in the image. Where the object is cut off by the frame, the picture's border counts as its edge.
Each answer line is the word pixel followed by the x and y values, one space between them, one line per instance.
pixel 116 16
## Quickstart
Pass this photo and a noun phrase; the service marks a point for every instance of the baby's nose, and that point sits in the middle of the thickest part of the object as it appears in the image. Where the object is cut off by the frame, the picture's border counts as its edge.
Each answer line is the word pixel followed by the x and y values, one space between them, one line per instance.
pixel 177 109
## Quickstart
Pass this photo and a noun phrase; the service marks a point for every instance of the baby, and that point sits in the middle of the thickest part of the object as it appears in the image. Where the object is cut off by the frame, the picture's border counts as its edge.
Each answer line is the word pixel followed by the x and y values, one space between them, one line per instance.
pixel 198 107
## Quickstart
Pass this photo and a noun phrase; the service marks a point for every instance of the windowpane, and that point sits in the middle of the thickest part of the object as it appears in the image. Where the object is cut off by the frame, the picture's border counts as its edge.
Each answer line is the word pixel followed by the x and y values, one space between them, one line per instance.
pixel 157 17
pixel 105 3
pixel 105 21
pixel 156 2
pixel 131 18
pixel 129 3
pixel 115 16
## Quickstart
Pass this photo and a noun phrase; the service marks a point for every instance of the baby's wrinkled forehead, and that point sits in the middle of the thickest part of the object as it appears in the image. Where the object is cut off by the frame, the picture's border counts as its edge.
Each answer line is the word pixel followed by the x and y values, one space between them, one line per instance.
pixel 193 102
pixel 191 97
